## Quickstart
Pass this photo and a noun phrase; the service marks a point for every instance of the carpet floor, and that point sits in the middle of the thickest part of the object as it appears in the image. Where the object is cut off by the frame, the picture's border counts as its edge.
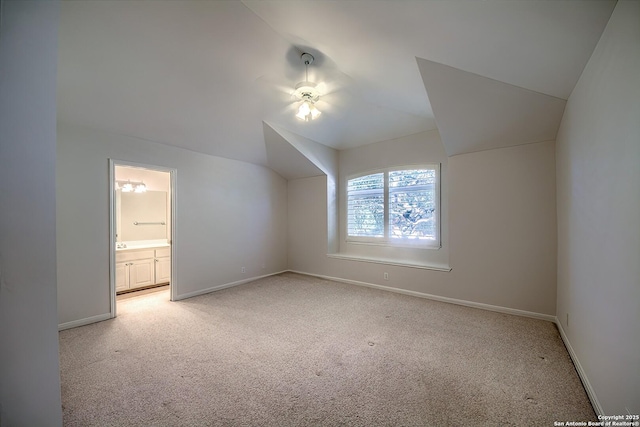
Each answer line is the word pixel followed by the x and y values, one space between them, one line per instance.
pixel 295 350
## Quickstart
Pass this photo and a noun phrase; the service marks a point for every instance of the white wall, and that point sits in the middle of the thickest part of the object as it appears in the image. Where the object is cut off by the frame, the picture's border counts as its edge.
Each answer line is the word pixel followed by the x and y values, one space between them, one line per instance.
pixel 598 163
pixel 502 229
pixel 325 159
pixel 29 368
pixel 503 226
pixel 307 245
pixel 230 215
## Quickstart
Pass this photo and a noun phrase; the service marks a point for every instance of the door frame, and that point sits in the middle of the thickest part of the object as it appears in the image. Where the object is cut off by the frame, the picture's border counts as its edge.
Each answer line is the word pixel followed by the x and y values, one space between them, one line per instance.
pixel 173 284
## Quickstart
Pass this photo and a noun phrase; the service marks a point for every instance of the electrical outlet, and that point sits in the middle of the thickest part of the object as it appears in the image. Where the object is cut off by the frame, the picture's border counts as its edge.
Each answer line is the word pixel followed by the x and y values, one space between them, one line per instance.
pixel 386 276
pixel 243 270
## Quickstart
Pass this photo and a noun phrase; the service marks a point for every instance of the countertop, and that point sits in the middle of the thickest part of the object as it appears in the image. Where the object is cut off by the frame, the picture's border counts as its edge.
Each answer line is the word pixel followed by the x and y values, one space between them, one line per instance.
pixel 132 246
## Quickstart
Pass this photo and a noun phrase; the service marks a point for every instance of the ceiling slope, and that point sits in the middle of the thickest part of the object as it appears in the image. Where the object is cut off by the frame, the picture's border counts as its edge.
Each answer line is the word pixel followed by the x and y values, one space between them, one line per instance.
pixel 348 122
pixel 205 75
pixel 285 159
pixel 175 72
pixel 476 113
pixel 325 158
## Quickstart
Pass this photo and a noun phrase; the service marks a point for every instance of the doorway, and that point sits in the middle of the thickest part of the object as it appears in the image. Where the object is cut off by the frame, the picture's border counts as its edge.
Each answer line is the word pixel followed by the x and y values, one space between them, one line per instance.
pixel 142 231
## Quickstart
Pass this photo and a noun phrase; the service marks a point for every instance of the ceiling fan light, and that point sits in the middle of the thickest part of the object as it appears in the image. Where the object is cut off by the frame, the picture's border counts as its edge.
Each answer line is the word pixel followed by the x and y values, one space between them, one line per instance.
pixel 308 111
pixel 301 116
pixel 315 113
pixel 305 108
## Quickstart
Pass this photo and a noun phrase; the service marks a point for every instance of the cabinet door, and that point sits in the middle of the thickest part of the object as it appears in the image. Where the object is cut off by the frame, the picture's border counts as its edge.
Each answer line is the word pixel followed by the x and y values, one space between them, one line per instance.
pixel 122 276
pixel 141 273
pixel 163 270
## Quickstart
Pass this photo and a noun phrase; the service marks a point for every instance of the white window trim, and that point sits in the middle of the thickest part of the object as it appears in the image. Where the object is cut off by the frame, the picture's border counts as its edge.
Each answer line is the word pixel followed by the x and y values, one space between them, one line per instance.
pixel 386 240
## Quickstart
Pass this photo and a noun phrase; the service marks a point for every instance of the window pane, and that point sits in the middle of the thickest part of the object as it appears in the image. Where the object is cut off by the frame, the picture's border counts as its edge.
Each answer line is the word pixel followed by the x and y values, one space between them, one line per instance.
pixel 412 204
pixel 411 177
pixel 365 210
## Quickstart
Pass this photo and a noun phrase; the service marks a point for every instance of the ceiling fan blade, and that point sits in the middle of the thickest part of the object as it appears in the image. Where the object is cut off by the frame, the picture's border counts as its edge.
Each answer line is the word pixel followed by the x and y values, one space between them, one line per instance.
pixel 274 83
pixel 336 81
pixel 276 89
pixel 323 88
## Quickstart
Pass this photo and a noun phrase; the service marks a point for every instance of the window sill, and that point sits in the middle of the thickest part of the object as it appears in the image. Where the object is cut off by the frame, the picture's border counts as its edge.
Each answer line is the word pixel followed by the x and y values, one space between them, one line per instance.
pixel 410 264
pixel 396 244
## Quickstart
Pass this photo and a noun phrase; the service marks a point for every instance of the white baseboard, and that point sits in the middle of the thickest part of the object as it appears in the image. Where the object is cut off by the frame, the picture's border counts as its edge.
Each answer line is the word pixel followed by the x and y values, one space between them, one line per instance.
pixel 83 322
pixel 581 373
pixel 223 286
pixel 499 309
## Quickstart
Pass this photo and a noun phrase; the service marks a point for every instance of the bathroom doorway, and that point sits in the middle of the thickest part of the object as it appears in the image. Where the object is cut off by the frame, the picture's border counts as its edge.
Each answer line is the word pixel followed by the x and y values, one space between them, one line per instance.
pixel 142 214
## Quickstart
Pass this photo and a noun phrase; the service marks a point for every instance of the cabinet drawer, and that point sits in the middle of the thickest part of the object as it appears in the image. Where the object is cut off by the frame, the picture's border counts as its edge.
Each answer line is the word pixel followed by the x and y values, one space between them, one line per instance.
pixel 133 255
pixel 163 252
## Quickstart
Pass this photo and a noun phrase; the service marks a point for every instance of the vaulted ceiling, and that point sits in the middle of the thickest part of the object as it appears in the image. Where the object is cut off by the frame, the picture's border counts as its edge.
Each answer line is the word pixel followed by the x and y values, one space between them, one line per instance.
pixel 217 76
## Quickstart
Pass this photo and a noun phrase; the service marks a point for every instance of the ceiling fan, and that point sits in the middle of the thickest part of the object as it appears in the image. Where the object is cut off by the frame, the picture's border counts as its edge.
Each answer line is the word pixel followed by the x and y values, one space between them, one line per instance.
pixel 308 93
pixel 317 93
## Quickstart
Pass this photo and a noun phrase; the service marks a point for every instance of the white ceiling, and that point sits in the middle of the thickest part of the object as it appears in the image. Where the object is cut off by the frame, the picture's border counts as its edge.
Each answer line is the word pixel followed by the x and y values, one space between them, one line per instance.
pixel 205 75
pixel 476 113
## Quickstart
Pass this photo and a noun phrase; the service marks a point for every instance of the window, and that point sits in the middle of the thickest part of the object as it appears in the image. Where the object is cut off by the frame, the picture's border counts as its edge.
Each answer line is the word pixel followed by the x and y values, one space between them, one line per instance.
pixel 395 207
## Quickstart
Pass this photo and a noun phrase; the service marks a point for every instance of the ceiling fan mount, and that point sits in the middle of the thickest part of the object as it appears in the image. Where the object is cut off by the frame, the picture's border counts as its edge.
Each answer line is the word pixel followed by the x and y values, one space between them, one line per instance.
pixel 306 90
pixel 307 58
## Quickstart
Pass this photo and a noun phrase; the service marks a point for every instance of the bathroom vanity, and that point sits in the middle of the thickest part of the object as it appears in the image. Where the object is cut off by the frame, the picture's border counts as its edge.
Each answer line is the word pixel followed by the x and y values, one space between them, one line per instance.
pixel 142 266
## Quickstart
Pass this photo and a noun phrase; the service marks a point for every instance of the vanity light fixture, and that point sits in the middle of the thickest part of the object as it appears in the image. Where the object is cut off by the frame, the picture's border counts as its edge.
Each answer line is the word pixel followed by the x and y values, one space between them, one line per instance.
pixel 129 186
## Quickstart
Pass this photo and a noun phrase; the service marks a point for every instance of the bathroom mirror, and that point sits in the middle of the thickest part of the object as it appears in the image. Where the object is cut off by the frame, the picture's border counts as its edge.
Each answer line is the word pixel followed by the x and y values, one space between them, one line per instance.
pixel 141 216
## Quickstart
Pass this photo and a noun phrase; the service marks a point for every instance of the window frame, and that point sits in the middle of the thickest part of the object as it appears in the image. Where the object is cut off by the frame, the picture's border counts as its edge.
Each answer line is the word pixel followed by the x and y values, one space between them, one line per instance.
pixel 386 239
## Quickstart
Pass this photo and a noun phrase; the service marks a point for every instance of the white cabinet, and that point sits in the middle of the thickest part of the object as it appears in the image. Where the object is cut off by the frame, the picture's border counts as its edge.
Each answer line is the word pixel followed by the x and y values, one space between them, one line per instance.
pixel 122 276
pixel 140 268
pixel 141 273
pixel 163 265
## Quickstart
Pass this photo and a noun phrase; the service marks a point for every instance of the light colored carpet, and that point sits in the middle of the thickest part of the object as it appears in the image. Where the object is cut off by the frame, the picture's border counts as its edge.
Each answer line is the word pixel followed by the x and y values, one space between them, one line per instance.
pixel 294 350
